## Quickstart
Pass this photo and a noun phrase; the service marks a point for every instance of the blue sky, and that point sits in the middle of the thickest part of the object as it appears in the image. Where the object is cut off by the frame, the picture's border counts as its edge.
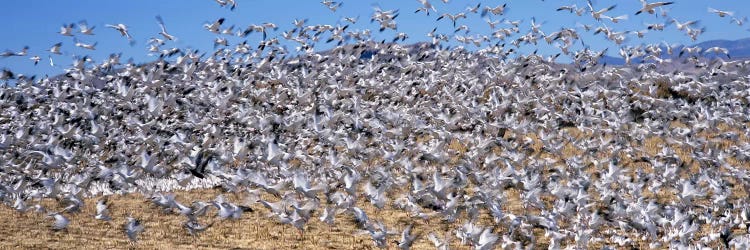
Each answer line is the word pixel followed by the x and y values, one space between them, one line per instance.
pixel 36 23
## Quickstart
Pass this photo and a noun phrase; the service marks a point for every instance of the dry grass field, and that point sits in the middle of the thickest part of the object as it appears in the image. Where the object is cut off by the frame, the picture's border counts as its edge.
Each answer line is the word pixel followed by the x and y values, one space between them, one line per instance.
pixel 257 231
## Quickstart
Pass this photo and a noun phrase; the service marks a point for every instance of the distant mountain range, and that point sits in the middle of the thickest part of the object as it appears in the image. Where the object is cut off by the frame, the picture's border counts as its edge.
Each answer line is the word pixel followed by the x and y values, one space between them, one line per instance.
pixel 738 49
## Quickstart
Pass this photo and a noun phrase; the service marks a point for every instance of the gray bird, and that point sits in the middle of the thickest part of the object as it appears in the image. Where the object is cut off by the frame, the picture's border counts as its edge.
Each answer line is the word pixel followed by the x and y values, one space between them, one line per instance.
pixel 60 223
pixel 102 212
pixel 133 227
pixel 194 227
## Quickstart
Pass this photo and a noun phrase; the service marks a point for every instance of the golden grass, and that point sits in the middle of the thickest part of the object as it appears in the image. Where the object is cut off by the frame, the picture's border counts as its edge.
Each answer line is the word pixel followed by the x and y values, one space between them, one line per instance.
pixel 257 231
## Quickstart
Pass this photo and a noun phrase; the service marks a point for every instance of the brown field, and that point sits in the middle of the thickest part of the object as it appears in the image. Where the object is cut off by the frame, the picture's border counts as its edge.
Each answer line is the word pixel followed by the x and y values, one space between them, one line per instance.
pixel 256 231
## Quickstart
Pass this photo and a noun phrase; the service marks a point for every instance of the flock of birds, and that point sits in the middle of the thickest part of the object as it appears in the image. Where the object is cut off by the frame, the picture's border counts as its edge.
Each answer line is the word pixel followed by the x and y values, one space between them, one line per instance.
pixel 435 131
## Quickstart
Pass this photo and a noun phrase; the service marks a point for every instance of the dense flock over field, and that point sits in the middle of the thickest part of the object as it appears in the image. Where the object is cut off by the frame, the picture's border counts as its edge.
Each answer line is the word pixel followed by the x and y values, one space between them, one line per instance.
pixel 459 142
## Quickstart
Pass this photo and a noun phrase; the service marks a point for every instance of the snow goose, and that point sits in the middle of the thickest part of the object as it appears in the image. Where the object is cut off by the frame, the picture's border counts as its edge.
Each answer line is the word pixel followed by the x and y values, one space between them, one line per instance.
pixel 164 29
pixel 123 29
pixel 649 7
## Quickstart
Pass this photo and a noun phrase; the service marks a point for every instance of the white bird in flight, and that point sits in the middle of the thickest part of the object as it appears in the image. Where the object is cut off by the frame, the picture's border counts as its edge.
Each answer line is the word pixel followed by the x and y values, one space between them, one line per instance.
pixel 102 212
pixel 683 26
pixel 85 29
pixel 36 59
pixel 67 30
pixel 55 49
pixel 164 29
pixel 123 29
pixel 426 7
pixel 598 14
pixel 721 13
pixel 497 10
pixel 23 52
pixel 718 50
pixel 331 5
pixel 215 26
pixel 452 17
pixel 616 19
pixel 232 3
pixel 60 223
pixel 132 228
pixel 649 7
pixel 85 45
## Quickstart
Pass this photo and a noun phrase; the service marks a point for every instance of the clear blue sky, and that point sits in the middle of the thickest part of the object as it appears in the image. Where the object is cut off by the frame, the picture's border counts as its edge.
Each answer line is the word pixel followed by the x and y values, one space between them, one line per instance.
pixel 36 23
